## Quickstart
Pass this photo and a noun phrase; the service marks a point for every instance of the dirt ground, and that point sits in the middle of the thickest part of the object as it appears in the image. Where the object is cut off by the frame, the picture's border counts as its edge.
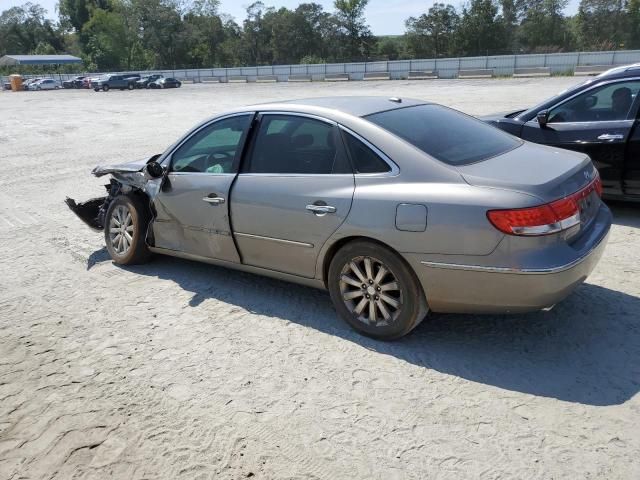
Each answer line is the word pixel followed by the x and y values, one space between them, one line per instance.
pixel 182 370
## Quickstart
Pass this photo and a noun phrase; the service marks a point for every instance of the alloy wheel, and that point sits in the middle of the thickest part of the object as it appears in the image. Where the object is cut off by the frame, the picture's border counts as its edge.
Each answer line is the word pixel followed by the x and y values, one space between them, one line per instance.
pixel 121 230
pixel 370 291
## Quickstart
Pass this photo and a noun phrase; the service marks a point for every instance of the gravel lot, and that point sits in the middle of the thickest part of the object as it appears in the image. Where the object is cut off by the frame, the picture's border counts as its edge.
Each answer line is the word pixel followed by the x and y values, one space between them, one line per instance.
pixel 183 370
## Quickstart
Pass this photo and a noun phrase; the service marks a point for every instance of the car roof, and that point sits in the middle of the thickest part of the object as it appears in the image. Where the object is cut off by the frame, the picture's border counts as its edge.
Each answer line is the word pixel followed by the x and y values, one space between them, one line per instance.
pixel 358 106
pixel 621 72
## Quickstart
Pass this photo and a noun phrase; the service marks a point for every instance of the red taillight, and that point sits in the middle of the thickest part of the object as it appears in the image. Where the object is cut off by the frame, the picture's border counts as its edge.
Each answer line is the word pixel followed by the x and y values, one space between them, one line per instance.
pixel 597 184
pixel 544 219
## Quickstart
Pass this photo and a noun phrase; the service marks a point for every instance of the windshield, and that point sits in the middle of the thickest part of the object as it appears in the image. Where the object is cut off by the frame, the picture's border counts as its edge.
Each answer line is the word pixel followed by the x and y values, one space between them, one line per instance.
pixel 445 134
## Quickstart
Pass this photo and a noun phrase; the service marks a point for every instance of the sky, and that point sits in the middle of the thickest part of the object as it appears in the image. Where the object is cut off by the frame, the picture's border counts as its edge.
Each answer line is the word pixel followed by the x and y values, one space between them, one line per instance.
pixel 385 17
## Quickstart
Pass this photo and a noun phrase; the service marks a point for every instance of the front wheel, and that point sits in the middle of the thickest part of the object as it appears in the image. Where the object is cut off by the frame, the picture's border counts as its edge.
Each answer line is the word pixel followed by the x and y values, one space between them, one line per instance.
pixel 125 230
pixel 105 88
pixel 130 86
pixel 375 291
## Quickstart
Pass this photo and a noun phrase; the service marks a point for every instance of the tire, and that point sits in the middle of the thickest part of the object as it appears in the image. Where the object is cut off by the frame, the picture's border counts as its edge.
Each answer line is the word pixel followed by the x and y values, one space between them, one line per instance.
pixel 96 89
pixel 386 321
pixel 133 215
pixel 131 86
pixel 105 88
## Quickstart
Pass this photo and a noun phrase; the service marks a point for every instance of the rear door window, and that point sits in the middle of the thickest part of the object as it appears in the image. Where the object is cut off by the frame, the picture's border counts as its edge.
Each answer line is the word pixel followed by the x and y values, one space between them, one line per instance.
pixel 289 144
pixel 445 134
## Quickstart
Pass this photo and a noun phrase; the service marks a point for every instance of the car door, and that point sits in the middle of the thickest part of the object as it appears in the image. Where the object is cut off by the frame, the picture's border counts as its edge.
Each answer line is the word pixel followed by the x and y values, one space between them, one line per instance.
pixel 631 180
pixel 294 190
pixel 597 121
pixel 192 207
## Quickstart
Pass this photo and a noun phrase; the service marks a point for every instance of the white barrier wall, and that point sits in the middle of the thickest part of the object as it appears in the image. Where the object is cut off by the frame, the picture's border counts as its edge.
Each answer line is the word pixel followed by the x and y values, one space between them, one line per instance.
pixel 502 65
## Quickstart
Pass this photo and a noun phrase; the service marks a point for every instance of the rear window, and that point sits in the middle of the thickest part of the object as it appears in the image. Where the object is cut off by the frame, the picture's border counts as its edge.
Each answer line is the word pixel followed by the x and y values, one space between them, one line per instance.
pixel 449 136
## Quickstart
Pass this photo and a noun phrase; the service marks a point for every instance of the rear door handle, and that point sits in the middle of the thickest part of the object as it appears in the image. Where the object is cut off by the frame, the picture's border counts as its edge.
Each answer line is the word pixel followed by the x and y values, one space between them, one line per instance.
pixel 214 200
pixel 321 209
pixel 611 136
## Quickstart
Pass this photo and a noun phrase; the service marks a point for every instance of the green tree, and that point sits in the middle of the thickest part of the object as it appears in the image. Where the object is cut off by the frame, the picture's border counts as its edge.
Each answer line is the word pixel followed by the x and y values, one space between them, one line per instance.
pixel 633 21
pixel 354 29
pixel 106 40
pixel 433 33
pixel 544 26
pixel 602 24
pixel 76 13
pixel 390 48
pixel 161 27
pixel 204 35
pixel 25 29
pixel 256 36
pixel 481 30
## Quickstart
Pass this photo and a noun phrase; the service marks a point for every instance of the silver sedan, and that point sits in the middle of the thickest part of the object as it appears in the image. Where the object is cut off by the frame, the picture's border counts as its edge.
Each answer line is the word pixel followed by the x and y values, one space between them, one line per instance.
pixel 396 206
pixel 45 84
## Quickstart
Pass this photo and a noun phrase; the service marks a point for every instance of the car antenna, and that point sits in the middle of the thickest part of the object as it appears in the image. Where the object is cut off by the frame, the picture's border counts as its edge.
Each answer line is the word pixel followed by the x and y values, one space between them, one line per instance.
pixel 395 99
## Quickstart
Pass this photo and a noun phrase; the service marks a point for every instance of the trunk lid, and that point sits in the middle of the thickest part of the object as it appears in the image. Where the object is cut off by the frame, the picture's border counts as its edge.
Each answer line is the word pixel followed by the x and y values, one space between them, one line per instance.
pixel 544 172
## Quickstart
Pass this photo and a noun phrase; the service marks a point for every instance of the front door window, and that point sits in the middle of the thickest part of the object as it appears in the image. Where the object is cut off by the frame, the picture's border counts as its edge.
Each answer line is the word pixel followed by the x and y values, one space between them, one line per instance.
pixel 611 102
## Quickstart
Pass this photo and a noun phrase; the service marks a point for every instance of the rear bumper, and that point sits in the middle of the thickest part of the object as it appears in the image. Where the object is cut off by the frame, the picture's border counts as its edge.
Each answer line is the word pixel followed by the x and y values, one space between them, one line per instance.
pixel 474 288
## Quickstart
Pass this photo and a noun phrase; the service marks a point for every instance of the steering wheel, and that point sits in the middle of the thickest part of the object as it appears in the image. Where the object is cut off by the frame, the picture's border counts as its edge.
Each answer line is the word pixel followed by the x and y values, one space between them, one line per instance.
pixel 214 156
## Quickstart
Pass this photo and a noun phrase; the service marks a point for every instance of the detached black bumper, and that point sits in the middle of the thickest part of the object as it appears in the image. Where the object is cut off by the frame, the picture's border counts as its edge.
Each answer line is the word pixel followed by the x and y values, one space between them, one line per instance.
pixel 89 212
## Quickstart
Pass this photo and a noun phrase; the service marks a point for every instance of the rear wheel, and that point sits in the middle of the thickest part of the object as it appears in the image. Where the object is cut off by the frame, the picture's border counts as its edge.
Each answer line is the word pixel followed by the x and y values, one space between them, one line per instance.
pixel 130 86
pixel 375 291
pixel 125 230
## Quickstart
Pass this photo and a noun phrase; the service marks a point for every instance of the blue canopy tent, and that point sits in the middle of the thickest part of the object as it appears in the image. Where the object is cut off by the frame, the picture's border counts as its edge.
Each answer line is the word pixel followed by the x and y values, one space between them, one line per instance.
pixel 17 60
pixel 10 60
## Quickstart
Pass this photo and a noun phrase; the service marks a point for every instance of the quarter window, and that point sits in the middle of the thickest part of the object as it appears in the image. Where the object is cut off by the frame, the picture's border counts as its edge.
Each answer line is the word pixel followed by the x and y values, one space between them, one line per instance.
pixel 364 159
pixel 606 103
pixel 296 144
pixel 212 149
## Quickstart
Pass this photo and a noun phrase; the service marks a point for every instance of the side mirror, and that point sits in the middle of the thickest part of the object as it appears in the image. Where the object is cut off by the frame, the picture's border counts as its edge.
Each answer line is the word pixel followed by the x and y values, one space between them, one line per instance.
pixel 543 118
pixel 154 169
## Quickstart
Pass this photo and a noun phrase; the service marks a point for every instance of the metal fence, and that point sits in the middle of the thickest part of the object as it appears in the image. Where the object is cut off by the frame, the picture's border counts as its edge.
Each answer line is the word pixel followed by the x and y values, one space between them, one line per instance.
pixel 501 65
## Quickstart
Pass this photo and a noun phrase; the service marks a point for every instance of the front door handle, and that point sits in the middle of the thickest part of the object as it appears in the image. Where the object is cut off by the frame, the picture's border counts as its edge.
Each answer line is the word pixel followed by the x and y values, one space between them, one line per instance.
pixel 214 200
pixel 611 136
pixel 321 209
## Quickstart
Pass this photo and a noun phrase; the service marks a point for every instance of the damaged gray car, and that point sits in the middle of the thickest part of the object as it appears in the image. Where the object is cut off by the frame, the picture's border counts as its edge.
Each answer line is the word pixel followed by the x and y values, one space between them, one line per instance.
pixel 396 206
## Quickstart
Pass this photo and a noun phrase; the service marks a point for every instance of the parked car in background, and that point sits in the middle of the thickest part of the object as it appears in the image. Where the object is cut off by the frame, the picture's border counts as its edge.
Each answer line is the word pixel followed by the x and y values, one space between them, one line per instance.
pixel 132 76
pixel 107 82
pixel 165 83
pixel 45 84
pixel 396 206
pixel 599 117
pixel 89 82
pixel 144 81
pixel 29 81
pixel 75 82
